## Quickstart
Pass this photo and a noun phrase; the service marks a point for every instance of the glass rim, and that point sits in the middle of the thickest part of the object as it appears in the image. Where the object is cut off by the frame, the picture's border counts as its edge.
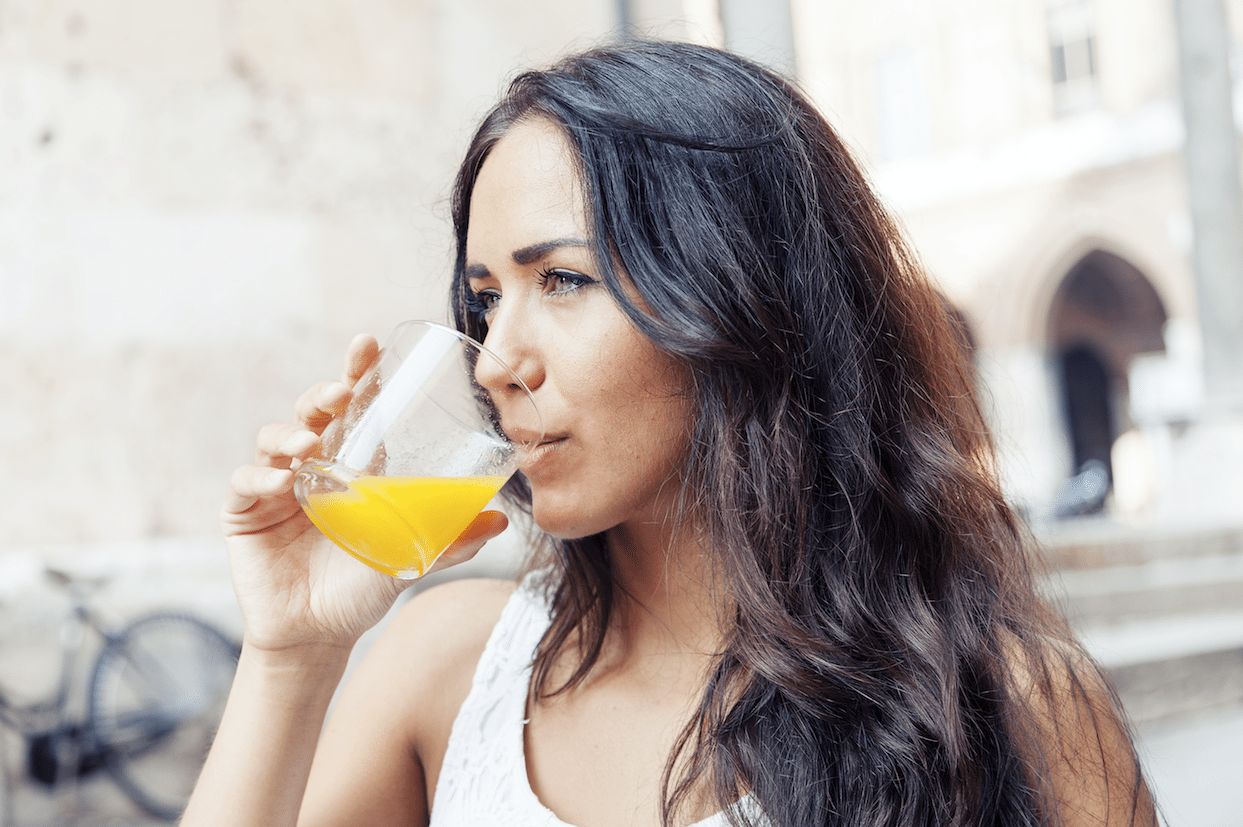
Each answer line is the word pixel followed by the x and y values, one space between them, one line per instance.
pixel 472 342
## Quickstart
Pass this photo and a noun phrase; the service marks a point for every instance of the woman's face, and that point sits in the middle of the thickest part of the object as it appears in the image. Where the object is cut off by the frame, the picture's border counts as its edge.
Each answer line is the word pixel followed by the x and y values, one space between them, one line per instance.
pixel 615 417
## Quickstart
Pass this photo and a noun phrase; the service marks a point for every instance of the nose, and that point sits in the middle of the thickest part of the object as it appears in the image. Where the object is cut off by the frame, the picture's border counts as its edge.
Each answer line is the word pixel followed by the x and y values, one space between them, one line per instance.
pixel 514 344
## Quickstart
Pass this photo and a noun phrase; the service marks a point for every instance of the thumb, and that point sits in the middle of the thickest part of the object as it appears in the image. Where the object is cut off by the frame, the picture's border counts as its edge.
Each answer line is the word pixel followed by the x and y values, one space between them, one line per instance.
pixel 482 529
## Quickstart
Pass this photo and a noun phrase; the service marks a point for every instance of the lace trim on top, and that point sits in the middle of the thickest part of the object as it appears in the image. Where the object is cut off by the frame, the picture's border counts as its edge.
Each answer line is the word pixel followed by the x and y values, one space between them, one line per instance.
pixel 483 780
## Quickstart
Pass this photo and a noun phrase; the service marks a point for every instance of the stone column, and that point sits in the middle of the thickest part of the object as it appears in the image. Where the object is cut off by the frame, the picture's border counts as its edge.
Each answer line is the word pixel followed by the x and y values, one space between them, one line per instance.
pixel 625 18
pixel 762 30
pixel 1211 159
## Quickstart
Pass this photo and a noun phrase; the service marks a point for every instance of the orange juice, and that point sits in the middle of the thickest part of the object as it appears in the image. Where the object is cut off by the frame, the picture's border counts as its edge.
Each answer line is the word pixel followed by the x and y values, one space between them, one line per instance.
pixel 400 525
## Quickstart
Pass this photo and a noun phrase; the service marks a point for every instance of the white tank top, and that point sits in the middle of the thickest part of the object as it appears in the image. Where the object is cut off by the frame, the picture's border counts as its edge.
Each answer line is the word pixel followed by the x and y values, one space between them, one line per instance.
pixel 483 780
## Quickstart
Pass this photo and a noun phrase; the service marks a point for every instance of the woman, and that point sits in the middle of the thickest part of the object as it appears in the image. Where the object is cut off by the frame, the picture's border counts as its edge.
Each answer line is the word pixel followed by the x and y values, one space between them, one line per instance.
pixel 779 585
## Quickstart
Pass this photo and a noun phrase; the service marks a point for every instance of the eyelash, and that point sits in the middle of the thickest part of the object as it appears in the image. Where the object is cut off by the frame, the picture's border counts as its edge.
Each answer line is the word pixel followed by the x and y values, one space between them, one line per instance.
pixel 577 279
pixel 478 304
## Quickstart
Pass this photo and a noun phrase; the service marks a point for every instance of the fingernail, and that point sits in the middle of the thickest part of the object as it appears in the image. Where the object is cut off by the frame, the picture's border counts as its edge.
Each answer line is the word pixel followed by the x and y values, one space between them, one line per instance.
pixel 301 442
pixel 276 476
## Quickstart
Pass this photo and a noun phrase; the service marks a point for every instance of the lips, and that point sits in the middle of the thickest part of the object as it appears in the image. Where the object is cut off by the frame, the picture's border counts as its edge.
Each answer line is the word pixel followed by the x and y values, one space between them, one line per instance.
pixel 523 436
pixel 540 453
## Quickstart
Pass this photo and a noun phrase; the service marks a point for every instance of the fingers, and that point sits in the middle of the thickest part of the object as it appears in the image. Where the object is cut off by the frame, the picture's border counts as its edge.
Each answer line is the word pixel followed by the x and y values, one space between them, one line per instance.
pixel 362 351
pixel 251 483
pixel 316 408
pixel 280 444
pixel 485 527
pixel 482 529
pixel 260 494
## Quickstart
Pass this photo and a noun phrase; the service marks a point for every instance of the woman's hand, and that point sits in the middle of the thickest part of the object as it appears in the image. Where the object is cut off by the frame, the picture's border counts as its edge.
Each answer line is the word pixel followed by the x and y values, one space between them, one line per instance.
pixel 294 586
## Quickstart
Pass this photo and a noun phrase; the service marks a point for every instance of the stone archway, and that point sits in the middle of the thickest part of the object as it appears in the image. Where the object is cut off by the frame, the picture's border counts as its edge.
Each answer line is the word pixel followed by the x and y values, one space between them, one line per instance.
pixel 1103 314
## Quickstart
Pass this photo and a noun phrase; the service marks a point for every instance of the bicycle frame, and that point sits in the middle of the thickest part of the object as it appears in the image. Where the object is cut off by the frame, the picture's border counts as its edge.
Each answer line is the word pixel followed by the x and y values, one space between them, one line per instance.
pixel 56 737
pixel 149 678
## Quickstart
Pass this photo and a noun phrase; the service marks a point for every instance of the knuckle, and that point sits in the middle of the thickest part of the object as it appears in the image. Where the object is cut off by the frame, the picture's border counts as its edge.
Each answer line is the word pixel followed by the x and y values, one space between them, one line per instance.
pixel 269 433
pixel 241 481
pixel 270 439
pixel 318 404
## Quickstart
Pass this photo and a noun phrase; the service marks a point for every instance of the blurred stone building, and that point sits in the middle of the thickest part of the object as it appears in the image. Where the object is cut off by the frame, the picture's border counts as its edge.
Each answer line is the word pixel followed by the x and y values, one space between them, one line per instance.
pixel 1068 170
pixel 1034 149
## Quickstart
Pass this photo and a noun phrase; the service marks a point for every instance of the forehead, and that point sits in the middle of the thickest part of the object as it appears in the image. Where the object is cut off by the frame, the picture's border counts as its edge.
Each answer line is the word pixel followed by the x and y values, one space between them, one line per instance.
pixel 527 191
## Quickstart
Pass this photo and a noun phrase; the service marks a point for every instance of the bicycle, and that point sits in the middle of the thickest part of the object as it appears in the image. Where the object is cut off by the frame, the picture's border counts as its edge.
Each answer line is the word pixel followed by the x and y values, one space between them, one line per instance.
pixel 153 699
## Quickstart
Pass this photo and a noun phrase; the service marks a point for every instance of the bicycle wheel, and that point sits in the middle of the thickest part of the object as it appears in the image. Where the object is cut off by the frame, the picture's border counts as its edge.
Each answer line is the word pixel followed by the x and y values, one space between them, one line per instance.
pixel 156 697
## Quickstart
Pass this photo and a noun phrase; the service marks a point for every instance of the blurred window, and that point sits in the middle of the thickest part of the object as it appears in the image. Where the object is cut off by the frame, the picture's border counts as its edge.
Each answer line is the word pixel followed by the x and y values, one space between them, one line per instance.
pixel 1072 53
pixel 903 119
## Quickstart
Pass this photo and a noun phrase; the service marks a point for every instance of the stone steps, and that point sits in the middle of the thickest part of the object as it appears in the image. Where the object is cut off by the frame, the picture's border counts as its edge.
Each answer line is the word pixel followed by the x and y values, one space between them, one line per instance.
pixel 1161 611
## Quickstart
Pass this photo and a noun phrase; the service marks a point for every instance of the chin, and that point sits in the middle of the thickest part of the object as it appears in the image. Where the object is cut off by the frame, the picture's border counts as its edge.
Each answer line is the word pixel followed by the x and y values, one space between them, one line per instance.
pixel 562 521
pixel 564 530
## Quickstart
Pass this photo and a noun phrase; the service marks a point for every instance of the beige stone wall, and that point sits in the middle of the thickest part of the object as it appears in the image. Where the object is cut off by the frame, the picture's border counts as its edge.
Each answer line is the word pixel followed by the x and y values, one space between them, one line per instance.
pixel 201 201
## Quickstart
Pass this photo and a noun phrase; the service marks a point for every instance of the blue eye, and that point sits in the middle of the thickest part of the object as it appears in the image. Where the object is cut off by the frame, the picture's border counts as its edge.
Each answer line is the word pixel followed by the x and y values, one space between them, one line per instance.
pixel 481 304
pixel 563 281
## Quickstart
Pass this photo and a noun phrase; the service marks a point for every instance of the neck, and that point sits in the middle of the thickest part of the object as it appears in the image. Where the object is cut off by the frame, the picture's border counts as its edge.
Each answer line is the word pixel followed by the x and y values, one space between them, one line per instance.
pixel 668 600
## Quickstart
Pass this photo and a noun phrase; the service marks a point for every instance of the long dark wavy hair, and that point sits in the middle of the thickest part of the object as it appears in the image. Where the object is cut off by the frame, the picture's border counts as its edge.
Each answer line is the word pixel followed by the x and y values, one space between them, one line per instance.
pixel 887 661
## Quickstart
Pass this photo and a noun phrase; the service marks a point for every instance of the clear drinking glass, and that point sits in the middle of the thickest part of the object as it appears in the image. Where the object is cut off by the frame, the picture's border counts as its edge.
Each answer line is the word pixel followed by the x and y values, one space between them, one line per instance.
pixel 418 452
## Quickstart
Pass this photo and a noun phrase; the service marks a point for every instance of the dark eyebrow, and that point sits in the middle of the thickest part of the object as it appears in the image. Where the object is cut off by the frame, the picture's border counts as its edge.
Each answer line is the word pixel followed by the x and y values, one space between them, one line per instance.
pixel 525 255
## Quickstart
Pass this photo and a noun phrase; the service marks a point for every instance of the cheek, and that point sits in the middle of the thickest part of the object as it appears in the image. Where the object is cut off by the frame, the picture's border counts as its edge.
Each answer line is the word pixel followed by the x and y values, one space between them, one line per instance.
pixel 651 432
pixel 654 403
pixel 645 406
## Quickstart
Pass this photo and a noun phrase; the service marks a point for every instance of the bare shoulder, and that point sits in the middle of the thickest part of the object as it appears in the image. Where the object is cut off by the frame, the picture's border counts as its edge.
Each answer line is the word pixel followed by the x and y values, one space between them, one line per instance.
pixel 434 644
pixel 429 650
pixel 380 754
pixel 467 605
pixel 435 640
pixel 1051 670
pixel 1075 737
pixel 413 680
pixel 451 620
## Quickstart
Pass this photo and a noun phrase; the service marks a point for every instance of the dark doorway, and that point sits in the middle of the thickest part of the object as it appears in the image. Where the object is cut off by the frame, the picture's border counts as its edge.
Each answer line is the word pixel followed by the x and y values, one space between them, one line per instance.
pixel 1104 313
pixel 1089 412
